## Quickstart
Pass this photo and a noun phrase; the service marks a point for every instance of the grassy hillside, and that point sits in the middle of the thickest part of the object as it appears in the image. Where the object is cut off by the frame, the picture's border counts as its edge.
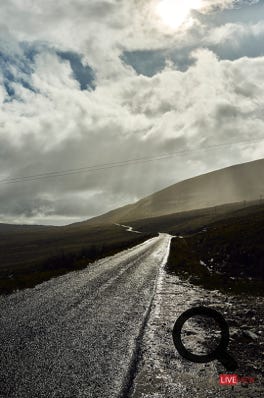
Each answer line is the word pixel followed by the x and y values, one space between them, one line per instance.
pixel 226 254
pixel 28 257
pixel 228 233
pixel 195 220
pixel 242 182
pixel 231 234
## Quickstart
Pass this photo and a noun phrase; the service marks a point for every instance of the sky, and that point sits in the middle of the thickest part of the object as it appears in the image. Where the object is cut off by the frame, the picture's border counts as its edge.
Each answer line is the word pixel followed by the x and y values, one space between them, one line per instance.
pixel 88 86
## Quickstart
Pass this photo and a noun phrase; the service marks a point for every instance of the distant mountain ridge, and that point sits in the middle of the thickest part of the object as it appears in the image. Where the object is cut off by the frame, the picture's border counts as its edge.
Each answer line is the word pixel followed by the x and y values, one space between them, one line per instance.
pixel 242 182
pixel 21 227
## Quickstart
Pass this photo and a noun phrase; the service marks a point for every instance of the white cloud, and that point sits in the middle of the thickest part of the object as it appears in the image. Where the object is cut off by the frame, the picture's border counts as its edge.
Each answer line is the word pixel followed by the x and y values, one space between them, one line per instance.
pixel 100 29
pixel 235 32
pixel 56 126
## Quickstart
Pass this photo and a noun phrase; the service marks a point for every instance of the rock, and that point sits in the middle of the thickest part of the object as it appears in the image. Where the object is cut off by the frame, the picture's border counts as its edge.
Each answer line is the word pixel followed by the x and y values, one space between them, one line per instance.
pixel 250 334
pixel 235 333
pixel 244 385
pixel 189 332
pixel 244 327
pixel 250 312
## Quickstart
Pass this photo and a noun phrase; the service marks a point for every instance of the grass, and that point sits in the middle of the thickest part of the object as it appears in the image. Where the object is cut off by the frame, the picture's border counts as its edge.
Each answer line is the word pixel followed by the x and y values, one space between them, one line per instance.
pixel 231 235
pixel 28 258
pixel 195 220
pixel 227 255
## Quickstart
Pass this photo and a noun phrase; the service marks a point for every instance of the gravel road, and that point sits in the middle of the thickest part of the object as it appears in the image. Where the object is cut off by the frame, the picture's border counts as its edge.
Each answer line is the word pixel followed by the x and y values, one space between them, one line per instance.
pixel 76 335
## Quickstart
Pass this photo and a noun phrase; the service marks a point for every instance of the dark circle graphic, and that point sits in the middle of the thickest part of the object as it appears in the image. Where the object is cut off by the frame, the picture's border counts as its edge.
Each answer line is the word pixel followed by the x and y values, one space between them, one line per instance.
pixel 219 352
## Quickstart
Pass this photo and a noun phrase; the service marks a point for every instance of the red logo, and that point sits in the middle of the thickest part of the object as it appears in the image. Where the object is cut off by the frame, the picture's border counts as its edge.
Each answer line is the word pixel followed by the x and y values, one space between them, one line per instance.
pixel 228 380
pixel 232 380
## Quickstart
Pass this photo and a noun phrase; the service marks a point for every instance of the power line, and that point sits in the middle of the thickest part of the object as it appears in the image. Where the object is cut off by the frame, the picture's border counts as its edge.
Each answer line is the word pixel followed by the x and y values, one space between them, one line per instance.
pixel 110 165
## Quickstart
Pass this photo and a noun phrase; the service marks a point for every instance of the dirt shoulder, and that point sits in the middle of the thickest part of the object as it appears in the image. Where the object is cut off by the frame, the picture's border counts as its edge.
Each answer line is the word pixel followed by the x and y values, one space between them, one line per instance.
pixel 163 373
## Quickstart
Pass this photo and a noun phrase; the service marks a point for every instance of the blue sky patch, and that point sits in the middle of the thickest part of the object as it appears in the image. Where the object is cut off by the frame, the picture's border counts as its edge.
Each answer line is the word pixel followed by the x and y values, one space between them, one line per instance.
pixel 18 68
pixel 84 74
pixel 147 63
pixel 151 62
pixel 15 69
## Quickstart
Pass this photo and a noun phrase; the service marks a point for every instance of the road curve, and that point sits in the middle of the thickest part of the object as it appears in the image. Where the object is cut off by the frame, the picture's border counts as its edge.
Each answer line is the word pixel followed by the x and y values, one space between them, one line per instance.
pixel 75 335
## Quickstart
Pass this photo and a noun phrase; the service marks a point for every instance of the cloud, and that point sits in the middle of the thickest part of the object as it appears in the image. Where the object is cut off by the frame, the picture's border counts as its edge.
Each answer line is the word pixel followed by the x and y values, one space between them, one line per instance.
pixel 210 103
pixel 232 33
pixel 69 99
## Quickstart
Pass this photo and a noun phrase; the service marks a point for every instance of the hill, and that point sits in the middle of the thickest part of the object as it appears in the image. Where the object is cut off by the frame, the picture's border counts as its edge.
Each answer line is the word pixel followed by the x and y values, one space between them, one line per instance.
pixel 243 182
pixel 226 254
pixel 32 254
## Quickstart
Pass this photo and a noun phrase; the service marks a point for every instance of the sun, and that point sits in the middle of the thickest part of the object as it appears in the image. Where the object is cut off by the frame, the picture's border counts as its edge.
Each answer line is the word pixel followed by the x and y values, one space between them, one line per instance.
pixel 174 13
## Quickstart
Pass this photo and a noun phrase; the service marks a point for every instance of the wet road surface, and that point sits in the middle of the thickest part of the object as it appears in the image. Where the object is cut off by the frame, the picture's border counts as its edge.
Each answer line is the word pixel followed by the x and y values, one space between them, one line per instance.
pixel 76 335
